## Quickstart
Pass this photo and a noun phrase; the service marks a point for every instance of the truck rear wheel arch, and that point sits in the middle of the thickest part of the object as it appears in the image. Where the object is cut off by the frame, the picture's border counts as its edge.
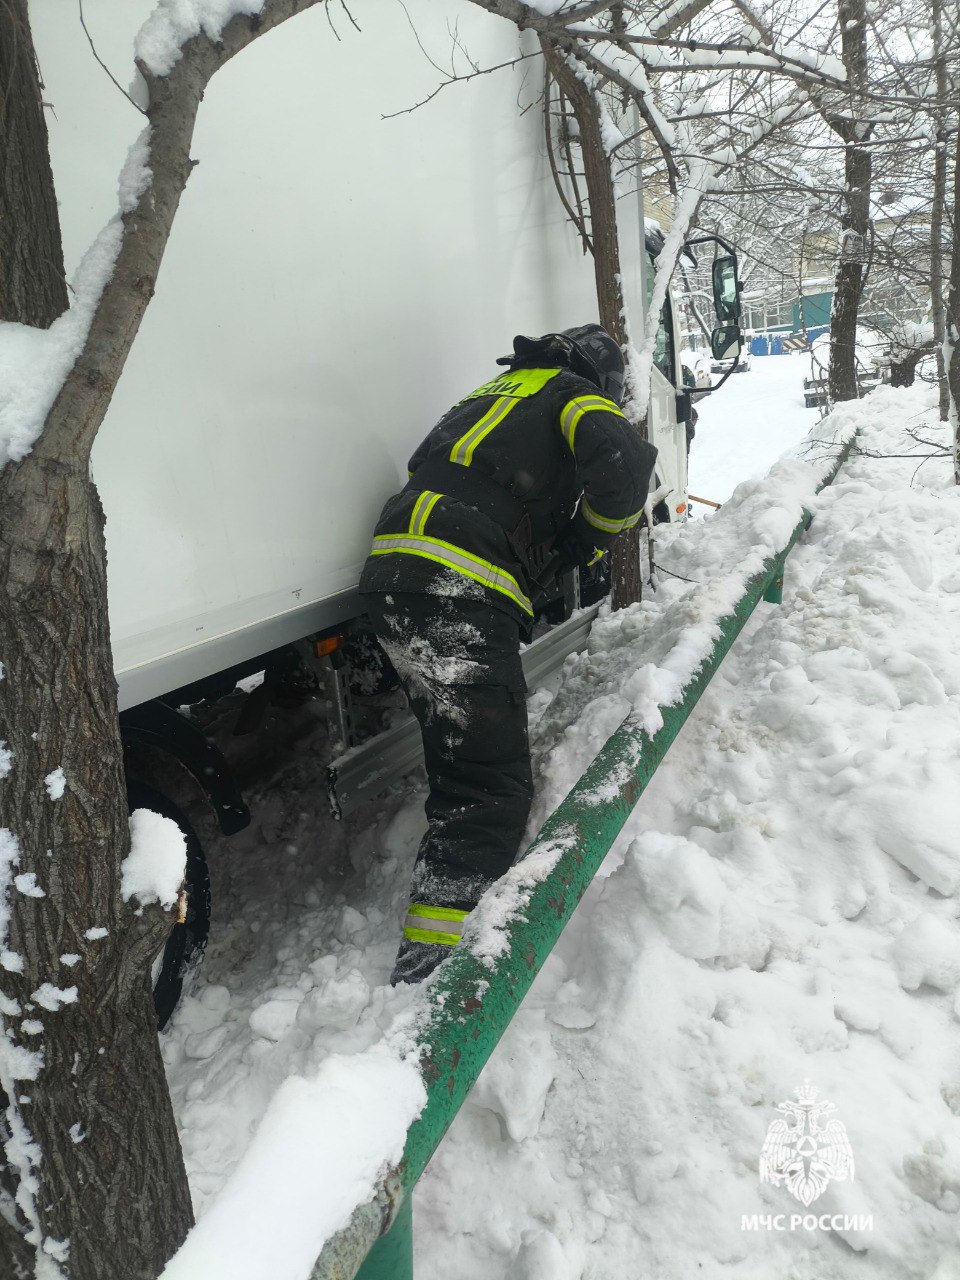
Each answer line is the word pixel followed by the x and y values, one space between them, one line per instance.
pixel 158 727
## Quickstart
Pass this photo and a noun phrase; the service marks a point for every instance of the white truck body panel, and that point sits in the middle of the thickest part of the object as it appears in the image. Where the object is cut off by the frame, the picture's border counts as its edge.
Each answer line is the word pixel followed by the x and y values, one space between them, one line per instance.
pixel 334 281
pixel 671 443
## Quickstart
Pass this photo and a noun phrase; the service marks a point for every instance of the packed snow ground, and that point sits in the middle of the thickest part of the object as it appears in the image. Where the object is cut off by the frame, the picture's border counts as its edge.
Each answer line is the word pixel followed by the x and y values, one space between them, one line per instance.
pixel 781 907
pixel 745 426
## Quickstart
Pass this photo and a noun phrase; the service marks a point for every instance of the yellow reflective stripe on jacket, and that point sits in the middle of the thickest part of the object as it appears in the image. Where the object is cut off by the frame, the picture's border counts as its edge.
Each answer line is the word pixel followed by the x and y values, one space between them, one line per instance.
pixel 421 510
pixel 518 383
pixel 462 451
pixel 434 924
pixel 509 388
pixel 608 526
pixel 445 553
pixel 574 410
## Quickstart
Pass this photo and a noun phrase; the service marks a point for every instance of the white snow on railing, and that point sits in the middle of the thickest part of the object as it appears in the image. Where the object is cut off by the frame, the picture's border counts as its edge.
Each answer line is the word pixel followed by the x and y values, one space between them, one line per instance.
pixel 317 1154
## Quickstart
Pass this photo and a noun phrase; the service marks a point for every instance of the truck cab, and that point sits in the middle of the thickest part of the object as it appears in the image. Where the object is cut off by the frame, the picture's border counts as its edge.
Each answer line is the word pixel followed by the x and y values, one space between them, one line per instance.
pixel 672 412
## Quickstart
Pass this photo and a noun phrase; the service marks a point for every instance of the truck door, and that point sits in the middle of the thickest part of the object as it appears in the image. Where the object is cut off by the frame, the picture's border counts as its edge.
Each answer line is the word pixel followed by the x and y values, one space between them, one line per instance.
pixel 666 432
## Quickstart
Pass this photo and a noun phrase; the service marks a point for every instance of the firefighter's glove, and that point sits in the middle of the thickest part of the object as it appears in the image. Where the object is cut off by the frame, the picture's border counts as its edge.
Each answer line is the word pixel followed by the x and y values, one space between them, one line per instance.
pixel 573 553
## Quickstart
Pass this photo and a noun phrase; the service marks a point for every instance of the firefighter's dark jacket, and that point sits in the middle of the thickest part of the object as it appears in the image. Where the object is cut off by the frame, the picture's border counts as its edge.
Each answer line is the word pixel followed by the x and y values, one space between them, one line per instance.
pixel 498 479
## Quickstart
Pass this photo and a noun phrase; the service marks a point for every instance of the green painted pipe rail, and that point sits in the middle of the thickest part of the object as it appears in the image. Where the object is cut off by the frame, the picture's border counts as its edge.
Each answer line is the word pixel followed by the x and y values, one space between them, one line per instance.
pixel 459 1030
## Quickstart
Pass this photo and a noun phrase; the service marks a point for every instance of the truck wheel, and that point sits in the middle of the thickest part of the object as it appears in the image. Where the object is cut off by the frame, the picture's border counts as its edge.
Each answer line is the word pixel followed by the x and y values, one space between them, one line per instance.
pixel 184 947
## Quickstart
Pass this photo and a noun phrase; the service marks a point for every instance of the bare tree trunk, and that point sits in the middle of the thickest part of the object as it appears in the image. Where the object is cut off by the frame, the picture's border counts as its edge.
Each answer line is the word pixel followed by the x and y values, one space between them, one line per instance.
pixel 951 345
pixel 625 567
pixel 87 1127
pixel 32 286
pixel 937 308
pixel 938 207
pixel 94 1186
pixel 855 213
pixel 600 193
pixel 111 1181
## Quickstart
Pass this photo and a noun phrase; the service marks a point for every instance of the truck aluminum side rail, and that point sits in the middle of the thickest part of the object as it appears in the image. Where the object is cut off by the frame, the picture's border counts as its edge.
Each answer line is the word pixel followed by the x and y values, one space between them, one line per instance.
pixel 363 772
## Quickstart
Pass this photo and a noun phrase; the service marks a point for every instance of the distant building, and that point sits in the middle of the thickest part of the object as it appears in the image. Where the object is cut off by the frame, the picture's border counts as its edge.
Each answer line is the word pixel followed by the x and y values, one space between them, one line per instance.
pixel 771 319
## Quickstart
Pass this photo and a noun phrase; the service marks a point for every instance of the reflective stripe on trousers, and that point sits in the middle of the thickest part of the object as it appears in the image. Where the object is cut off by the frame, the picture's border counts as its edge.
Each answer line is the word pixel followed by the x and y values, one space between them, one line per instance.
pixel 443 925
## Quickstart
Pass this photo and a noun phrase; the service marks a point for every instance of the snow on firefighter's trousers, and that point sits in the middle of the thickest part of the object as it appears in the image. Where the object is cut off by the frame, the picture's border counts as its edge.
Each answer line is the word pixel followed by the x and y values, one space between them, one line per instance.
pixel 535 457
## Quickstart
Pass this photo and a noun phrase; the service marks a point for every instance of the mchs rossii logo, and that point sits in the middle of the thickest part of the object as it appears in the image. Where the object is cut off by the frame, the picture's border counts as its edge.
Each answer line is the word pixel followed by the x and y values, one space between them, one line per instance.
pixel 805 1150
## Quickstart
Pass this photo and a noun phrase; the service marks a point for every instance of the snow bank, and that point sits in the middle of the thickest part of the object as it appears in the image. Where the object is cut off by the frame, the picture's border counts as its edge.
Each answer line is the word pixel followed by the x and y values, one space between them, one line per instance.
pixel 640 659
pixel 317 1155
pixel 727 450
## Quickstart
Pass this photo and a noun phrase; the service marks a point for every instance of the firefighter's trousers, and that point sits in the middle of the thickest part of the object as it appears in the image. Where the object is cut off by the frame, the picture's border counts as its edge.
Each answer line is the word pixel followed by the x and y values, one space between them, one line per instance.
pixel 459 662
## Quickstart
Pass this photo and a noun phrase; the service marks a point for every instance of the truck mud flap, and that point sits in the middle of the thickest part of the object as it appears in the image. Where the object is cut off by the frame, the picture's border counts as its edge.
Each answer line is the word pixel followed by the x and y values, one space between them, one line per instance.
pixel 365 771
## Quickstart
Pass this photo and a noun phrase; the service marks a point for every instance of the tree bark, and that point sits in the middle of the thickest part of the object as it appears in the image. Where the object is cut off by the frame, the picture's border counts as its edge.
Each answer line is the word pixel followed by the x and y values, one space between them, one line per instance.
pixel 951 345
pixel 111 1181
pixel 855 212
pixel 93 1186
pixel 938 208
pixel 32 286
pixel 626 570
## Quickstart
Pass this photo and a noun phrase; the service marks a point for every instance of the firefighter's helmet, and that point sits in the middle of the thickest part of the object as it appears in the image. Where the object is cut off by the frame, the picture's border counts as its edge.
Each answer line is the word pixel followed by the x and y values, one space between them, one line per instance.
pixel 587 349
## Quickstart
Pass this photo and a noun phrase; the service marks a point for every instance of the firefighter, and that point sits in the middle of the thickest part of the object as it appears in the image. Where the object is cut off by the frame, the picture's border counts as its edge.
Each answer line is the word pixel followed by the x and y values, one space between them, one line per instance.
pixel 533 473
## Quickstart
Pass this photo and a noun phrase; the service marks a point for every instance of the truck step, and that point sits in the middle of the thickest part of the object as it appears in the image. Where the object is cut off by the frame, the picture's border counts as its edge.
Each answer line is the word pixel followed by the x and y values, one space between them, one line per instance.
pixel 364 771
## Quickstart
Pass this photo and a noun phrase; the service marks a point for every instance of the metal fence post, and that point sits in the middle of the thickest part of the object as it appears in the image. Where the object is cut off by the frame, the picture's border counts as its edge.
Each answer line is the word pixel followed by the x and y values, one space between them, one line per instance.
pixel 774 593
pixel 391 1258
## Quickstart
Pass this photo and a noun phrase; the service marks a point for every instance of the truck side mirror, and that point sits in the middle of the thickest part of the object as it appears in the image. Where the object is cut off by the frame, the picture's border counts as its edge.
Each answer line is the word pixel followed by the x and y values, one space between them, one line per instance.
pixel 726 290
pixel 725 342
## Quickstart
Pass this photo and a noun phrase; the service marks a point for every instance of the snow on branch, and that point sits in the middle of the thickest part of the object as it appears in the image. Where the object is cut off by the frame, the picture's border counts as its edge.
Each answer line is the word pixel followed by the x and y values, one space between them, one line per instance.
pixel 702 176
pixel 633 60
pixel 696 55
pixel 705 176
pixel 160 41
pixel 676 16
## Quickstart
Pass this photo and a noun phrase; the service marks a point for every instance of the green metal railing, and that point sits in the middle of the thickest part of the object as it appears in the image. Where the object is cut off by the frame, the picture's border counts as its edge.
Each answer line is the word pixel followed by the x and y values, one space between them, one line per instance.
pixel 459 1030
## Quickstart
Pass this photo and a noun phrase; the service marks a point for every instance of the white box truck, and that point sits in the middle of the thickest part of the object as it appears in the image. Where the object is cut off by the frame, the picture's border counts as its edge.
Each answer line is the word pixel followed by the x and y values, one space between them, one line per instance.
pixel 337 276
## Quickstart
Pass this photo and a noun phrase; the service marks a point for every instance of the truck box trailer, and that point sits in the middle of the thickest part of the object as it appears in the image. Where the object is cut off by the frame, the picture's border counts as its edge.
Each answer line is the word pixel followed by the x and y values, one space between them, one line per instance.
pixel 344 264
